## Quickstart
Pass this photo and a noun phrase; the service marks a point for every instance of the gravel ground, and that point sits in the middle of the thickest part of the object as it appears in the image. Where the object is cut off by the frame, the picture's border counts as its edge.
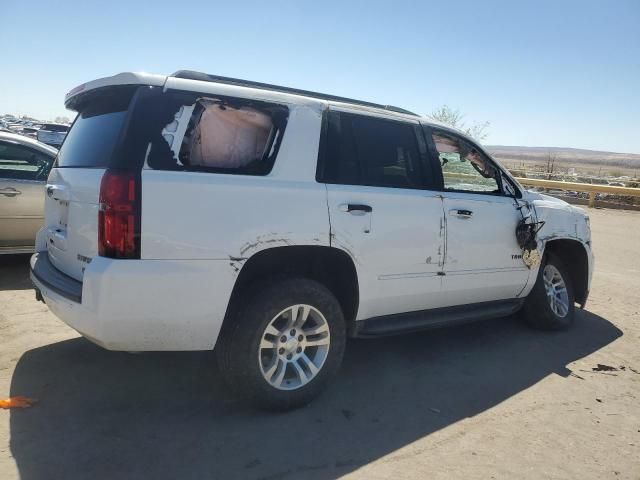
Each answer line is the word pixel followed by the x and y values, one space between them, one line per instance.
pixel 487 400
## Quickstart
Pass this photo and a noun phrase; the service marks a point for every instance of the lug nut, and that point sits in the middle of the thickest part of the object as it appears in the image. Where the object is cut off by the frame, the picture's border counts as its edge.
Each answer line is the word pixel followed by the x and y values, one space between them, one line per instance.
pixel 283 339
pixel 281 351
pixel 299 349
pixel 300 337
pixel 292 332
pixel 288 356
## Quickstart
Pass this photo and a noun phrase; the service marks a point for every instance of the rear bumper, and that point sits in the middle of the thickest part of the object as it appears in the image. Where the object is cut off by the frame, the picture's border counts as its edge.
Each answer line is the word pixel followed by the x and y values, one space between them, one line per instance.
pixel 43 272
pixel 140 305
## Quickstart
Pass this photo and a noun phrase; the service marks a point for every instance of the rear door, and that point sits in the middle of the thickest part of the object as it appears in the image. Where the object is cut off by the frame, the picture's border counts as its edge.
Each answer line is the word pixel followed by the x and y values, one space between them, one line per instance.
pixel 382 211
pixel 23 172
pixel 483 261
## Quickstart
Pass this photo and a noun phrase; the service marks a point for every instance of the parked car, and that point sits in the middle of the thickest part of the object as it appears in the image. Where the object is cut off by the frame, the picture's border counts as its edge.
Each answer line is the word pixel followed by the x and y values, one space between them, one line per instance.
pixel 52 134
pixel 24 167
pixel 31 132
pixel 193 211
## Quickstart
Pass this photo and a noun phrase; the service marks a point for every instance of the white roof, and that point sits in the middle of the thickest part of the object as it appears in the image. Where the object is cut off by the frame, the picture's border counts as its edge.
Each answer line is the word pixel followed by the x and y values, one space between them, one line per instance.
pixel 141 78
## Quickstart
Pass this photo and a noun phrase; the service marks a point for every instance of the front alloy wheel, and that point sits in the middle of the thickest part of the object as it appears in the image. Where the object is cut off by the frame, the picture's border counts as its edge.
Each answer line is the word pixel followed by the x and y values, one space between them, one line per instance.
pixel 550 304
pixel 556 290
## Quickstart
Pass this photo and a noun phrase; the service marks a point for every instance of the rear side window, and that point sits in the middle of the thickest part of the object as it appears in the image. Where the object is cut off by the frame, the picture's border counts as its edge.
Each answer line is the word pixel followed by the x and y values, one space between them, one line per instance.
pixel 362 150
pixel 95 133
pixel 146 127
pixel 223 135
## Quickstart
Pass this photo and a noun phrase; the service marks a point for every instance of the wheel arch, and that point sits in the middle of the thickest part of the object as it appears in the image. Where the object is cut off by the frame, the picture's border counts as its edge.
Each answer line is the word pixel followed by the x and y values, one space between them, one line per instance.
pixel 330 266
pixel 574 255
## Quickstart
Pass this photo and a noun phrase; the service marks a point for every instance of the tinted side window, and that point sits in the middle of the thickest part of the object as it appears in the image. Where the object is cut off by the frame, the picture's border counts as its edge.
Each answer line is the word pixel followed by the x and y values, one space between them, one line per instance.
pixel 341 160
pixel 363 150
pixel 21 163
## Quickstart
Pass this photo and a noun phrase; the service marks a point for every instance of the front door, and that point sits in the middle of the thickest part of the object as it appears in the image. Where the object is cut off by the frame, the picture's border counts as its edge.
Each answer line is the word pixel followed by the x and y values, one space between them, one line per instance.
pixel 382 213
pixel 483 261
pixel 23 172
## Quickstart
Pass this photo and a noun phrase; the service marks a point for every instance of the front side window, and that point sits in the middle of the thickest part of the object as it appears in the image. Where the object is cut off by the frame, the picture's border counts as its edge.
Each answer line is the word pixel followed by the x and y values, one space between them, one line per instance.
pixel 21 163
pixel 464 167
pixel 363 150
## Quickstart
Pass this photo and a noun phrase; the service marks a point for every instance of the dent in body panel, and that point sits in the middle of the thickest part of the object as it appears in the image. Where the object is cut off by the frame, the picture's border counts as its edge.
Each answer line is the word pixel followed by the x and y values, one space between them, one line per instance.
pixel 342 242
pixel 236 263
pixel 562 222
pixel 273 239
pixel 442 248
pixel 265 241
pixel 559 223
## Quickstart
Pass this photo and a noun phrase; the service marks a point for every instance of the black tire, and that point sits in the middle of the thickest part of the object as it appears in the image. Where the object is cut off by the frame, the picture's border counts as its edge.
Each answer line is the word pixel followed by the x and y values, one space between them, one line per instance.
pixel 238 345
pixel 537 309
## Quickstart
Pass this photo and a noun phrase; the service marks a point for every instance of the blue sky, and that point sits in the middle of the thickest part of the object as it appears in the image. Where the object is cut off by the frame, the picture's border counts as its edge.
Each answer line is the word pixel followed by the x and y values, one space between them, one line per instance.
pixel 544 73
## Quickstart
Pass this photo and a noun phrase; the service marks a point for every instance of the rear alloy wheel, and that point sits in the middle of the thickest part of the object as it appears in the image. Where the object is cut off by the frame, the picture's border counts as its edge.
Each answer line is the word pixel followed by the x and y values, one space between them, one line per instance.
pixel 294 347
pixel 550 305
pixel 283 343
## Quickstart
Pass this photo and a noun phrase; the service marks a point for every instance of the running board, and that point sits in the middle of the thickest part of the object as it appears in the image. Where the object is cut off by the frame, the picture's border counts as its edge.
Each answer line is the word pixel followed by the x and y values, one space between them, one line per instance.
pixel 435 318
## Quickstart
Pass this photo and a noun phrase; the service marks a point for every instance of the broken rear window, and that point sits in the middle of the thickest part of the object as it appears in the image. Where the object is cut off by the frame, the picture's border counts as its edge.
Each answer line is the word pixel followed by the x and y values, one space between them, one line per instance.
pixel 221 135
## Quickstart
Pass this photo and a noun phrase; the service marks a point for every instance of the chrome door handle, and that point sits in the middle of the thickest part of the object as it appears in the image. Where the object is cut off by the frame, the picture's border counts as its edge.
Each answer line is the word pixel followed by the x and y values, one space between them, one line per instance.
pixel 461 213
pixel 10 192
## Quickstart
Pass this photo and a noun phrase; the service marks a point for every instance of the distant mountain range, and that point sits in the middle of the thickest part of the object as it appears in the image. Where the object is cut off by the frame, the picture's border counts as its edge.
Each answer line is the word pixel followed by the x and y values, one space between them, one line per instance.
pixel 565 155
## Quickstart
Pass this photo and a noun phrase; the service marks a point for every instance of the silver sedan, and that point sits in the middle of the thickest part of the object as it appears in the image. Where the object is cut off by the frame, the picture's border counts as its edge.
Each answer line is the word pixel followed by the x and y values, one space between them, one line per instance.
pixel 24 168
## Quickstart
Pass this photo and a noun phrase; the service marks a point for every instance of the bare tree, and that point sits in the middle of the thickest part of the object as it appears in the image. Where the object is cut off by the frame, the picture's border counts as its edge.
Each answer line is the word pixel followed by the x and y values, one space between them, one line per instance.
pixel 551 162
pixel 454 118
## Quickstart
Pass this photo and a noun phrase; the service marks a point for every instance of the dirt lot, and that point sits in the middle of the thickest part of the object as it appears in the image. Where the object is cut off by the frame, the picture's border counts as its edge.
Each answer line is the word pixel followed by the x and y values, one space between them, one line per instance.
pixel 488 400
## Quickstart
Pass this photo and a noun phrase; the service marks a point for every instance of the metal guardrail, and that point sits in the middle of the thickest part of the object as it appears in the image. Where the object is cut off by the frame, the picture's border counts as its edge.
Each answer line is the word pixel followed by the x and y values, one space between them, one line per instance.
pixel 590 188
pixel 581 187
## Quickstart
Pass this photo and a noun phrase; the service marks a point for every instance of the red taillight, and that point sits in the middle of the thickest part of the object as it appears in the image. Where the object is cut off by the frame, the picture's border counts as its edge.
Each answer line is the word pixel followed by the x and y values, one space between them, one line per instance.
pixel 119 215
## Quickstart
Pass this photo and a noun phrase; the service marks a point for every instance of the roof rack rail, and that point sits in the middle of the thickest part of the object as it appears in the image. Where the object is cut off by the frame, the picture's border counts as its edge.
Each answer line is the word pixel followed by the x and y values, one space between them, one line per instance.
pixel 205 77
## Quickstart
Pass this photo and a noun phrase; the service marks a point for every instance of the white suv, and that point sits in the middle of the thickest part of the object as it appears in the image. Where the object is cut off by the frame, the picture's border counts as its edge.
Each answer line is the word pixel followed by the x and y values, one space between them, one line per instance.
pixel 191 211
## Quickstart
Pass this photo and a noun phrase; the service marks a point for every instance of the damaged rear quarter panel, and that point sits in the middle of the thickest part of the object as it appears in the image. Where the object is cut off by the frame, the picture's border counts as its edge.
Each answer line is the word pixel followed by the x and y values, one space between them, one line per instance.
pixel 230 218
pixel 216 216
pixel 223 220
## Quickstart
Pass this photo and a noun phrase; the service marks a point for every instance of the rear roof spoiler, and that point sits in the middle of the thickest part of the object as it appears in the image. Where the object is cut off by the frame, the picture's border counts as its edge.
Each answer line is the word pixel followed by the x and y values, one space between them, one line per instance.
pixel 126 78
